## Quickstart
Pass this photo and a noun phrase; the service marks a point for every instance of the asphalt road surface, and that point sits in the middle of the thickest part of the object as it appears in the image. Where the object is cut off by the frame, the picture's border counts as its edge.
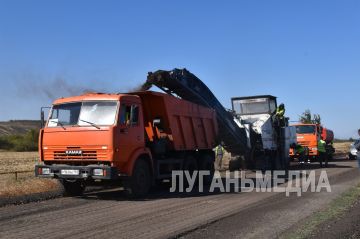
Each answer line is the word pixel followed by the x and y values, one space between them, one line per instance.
pixel 109 214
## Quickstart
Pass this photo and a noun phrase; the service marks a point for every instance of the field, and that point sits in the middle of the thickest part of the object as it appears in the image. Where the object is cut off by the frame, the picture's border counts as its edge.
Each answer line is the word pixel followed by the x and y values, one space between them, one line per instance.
pixel 17 161
pixel 342 148
pixel 22 183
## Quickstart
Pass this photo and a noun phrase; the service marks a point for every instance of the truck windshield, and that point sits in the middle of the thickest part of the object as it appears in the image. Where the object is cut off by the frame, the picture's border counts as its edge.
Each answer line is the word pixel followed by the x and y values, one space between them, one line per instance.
pixel 83 114
pixel 305 129
pixel 253 106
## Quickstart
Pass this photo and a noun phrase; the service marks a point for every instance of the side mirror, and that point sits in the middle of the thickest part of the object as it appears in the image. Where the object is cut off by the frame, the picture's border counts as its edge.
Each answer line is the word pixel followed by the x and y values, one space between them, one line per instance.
pixel 42 116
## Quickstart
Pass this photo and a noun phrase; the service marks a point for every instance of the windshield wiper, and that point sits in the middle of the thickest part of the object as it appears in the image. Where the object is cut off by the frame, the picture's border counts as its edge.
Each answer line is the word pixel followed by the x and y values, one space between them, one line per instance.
pixel 91 123
pixel 59 123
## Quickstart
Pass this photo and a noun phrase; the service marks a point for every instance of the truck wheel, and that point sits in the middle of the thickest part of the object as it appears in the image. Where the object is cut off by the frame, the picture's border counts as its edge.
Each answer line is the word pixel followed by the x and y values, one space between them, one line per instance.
pixel 207 164
pixel 139 184
pixel 73 188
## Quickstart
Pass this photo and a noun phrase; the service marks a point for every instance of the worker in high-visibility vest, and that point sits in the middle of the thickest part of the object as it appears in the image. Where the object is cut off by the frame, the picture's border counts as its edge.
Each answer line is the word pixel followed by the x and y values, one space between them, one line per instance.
pixel 280 111
pixel 279 115
pixel 300 151
pixel 219 152
pixel 322 152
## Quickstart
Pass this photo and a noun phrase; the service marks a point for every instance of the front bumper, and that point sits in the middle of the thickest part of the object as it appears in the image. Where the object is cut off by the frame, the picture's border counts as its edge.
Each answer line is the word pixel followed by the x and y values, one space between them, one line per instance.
pixel 85 172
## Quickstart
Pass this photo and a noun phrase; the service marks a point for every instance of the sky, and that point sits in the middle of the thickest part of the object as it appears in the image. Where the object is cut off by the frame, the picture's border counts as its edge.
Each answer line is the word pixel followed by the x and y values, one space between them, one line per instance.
pixel 307 53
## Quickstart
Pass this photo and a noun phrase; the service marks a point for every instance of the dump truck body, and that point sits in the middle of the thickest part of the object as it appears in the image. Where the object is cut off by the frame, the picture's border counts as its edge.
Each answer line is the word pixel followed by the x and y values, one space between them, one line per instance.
pixel 187 126
pixel 328 135
pixel 103 136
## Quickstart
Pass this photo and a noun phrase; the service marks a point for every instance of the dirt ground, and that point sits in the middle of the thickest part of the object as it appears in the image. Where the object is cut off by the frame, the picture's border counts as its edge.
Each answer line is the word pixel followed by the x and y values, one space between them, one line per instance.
pixel 346 226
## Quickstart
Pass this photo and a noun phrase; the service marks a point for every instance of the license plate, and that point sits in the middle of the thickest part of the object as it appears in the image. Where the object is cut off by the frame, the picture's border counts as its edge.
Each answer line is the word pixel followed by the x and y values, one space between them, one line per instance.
pixel 69 172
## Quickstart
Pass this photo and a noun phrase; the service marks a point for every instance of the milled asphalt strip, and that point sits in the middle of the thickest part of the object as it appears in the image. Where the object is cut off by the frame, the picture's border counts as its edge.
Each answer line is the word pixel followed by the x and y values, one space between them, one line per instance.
pixel 271 218
pixel 119 218
pixel 98 210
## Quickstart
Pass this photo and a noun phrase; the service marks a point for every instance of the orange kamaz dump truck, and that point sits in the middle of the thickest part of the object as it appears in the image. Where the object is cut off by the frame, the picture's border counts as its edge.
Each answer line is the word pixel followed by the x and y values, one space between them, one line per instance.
pixel 308 136
pixel 136 138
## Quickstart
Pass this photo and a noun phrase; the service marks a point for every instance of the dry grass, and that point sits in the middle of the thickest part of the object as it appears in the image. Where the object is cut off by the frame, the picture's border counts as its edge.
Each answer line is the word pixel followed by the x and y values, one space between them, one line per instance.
pixel 342 148
pixel 26 183
pixel 17 161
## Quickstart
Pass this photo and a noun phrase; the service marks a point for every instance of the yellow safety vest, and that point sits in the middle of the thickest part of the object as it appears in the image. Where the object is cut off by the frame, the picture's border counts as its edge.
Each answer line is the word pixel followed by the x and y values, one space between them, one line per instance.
pixel 321 146
pixel 280 112
pixel 219 150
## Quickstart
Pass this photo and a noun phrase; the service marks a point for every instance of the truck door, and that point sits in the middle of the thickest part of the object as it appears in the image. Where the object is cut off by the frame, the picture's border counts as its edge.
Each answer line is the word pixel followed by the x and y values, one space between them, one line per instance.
pixel 131 130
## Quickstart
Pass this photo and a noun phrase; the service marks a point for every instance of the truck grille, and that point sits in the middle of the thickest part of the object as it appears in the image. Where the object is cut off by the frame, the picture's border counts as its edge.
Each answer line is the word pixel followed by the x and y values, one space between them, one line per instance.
pixel 304 143
pixel 83 156
pixel 76 153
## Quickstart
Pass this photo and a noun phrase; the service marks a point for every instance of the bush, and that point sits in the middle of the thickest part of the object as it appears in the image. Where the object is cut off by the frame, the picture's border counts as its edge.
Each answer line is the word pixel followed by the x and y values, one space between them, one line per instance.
pixel 26 142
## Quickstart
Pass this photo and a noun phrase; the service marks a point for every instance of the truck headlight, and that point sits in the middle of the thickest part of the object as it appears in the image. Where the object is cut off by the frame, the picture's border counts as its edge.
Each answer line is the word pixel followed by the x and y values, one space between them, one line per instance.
pixel 98 172
pixel 45 171
pixel 315 149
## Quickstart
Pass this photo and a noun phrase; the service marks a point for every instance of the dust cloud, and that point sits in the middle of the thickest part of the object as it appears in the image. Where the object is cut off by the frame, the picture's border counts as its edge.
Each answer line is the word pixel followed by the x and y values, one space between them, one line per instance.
pixel 54 88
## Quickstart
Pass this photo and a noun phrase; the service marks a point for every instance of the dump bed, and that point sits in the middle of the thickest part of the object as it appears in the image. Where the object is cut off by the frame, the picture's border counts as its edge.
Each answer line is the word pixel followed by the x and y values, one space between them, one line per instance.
pixel 328 135
pixel 186 125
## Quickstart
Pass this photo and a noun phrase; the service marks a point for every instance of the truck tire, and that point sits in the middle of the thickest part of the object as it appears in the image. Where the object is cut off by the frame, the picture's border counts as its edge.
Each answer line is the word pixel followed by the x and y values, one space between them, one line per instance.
pixel 139 184
pixel 73 188
pixel 207 164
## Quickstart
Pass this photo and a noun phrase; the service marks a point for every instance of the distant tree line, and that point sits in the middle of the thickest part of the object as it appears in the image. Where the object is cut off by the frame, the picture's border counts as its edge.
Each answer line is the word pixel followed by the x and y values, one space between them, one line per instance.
pixel 343 140
pixel 24 142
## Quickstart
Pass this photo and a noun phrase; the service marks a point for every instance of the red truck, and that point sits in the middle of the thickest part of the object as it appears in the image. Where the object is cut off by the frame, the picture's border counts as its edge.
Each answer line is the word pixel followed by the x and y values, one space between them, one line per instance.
pixel 137 138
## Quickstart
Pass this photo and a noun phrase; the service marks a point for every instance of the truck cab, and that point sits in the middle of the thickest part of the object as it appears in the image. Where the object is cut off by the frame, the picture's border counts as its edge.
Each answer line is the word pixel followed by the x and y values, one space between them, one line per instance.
pixel 308 136
pixel 93 136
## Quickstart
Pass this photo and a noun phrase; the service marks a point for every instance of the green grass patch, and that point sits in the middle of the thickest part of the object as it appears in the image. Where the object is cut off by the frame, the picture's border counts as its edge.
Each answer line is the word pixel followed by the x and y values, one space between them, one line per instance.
pixel 20 143
pixel 337 208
